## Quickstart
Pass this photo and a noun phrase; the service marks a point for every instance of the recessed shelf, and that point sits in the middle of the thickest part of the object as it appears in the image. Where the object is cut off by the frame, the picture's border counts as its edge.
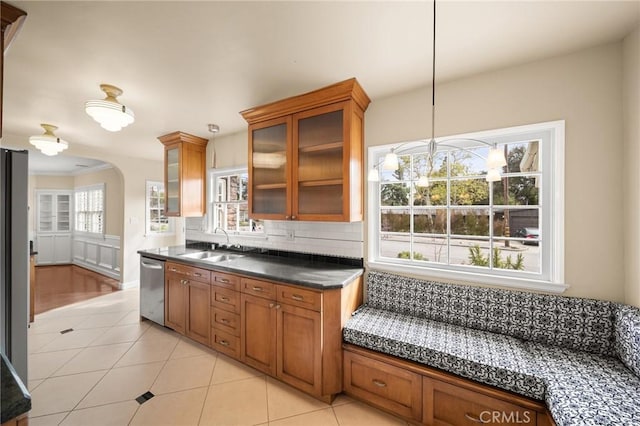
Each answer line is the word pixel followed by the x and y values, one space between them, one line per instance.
pixel 270 186
pixel 322 147
pixel 322 182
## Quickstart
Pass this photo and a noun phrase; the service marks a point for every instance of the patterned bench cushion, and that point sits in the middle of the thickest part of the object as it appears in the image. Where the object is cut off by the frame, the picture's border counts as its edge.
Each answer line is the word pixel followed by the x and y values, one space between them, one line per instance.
pixel 584 388
pixel 628 337
pixel 489 358
pixel 576 323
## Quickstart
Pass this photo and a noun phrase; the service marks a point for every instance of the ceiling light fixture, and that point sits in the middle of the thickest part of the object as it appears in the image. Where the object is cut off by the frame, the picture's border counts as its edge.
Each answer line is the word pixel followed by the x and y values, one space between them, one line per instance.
pixel 495 160
pixel 110 113
pixel 48 143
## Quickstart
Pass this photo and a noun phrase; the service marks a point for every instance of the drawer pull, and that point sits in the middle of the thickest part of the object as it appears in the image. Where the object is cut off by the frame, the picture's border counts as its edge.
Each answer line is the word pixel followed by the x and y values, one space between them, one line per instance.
pixel 256 288
pixel 224 321
pixel 379 383
pixel 271 305
pixel 224 343
pixel 197 274
pixel 474 418
pixel 297 297
pixel 223 280
pixel 173 270
pixel 224 299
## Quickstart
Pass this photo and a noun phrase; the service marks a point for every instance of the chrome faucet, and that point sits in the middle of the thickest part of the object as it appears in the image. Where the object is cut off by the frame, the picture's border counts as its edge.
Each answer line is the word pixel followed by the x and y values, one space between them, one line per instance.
pixel 225 233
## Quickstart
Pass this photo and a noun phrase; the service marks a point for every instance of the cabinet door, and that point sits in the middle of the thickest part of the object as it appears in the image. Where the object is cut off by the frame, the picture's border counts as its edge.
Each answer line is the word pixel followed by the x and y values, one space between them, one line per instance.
pixel 63 212
pixel 198 323
pixel 258 341
pixel 175 303
pixel 62 248
pixel 46 219
pixel 270 170
pixel 320 163
pixel 46 249
pixel 172 185
pixel 299 348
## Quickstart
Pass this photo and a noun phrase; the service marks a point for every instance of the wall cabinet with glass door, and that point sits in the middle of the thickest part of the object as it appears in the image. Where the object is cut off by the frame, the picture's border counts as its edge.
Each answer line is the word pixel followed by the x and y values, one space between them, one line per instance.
pixel 53 226
pixel 184 171
pixel 306 156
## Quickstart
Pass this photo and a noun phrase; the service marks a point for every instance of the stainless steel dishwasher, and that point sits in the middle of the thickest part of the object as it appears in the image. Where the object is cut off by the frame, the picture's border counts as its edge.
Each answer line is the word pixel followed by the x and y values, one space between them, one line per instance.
pixel 152 289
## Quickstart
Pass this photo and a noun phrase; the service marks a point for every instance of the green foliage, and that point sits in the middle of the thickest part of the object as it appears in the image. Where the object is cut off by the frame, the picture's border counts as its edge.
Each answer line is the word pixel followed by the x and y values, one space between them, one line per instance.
pixel 394 194
pixel 407 255
pixel 478 259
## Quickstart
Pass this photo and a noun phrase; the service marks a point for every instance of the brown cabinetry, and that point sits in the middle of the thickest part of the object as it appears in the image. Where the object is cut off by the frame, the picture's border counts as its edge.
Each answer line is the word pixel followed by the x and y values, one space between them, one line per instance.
pixel 423 394
pixel 184 171
pixel 187 295
pixel 225 313
pixel 306 155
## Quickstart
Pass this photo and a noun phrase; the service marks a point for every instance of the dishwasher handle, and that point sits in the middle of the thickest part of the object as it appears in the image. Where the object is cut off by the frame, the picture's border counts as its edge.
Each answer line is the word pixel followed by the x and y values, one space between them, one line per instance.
pixel 151 265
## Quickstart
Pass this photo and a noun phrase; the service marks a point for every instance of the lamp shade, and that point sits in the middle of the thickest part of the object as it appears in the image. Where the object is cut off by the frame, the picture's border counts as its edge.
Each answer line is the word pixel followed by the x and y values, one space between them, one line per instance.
pixel 495 159
pixel 48 143
pixel 390 162
pixel 423 181
pixel 110 113
pixel 493 175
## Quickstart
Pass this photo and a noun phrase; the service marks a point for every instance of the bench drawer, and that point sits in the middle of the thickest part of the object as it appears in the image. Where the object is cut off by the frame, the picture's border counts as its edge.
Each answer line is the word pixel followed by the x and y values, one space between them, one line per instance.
pixel 388 387
pixel 225 299
pixel 226 343
pixel 225 321
pixel 446 404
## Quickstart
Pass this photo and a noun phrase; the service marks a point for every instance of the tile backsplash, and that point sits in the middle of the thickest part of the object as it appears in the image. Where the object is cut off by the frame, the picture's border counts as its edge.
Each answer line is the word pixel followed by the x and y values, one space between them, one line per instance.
pixel 327 238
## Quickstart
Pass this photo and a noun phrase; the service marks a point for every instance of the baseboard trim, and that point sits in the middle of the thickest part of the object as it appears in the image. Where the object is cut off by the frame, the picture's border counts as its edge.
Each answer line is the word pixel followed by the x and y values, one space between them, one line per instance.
pixel 130 284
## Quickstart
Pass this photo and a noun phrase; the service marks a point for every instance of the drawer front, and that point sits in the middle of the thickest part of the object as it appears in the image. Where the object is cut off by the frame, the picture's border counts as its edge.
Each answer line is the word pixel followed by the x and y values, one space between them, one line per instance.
pixel 225 321
pixel 225 299
pixel 446 404
pixel 225 343
pixel 231 282
pixel 389 387
pixel 196 274
pixel 259 288
pixel 297 296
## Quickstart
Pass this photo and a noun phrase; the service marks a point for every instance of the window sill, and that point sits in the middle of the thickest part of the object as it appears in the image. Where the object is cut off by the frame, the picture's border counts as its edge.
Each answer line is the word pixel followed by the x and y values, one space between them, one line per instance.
pixel 470 277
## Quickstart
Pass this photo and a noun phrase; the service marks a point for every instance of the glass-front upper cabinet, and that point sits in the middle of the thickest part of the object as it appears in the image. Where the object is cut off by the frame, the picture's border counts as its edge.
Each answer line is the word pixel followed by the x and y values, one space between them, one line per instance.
pixel 54 211
pixel 184 174
pixel 269 170
pixel 306 155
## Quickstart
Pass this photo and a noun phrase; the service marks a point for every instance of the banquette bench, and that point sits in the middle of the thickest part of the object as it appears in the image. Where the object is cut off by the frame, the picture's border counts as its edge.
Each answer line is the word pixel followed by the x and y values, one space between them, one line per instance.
pixel 442 354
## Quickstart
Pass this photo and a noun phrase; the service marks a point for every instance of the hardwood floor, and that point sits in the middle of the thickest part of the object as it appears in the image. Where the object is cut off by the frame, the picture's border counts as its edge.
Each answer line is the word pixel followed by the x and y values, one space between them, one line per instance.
pixel 63 285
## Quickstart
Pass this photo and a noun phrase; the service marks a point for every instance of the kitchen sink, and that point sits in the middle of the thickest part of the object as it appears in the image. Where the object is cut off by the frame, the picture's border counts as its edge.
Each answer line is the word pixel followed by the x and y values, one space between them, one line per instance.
pixel 212 256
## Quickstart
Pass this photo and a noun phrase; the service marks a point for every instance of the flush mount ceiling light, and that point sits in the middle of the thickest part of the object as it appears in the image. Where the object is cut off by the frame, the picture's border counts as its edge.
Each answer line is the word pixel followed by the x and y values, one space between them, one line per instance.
pixel 110 113
pixel 494 161
pixel 48 143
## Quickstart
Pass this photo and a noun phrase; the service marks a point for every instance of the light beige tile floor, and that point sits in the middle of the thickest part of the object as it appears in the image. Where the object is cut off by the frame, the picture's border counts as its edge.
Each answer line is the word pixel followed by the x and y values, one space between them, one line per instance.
pixel 92 375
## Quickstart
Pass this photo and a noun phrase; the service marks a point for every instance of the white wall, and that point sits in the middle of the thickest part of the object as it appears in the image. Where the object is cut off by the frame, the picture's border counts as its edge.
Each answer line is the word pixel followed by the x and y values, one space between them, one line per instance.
pixel 631 178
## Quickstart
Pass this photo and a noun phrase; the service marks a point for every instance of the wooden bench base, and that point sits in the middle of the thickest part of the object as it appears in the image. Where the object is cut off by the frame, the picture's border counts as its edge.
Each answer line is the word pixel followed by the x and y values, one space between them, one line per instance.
pixel 429 396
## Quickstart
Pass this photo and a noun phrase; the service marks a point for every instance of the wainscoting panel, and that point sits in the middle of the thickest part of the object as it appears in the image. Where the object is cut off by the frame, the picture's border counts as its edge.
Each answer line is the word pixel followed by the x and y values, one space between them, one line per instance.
pixel 99 254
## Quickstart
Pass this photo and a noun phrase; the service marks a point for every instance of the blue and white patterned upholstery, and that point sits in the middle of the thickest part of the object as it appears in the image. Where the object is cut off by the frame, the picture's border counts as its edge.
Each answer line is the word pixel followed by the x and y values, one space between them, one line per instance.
pixel 586 389
pixel 486 357
pixel 558 349
pixel 628 337
pixel 576 323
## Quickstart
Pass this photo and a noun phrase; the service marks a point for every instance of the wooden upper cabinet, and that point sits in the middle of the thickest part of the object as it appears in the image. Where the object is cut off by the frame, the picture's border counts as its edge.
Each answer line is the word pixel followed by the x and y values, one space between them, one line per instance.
pixel 306 155
pixel 184 174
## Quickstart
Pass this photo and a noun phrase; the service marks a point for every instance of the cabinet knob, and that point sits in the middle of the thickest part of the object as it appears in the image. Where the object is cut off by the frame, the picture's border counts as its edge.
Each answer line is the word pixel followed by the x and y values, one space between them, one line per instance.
pixel 224 299
pixel 278 306
pixel 288 217
pixel 224 343
pixel 294 217
pixel 224 321
pixel 379 383
pixel 271 305
pixel 474 419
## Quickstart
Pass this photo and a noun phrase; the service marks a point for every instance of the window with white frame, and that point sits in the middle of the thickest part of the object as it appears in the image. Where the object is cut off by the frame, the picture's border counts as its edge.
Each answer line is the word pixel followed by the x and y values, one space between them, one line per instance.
pixel 89 209
pixel 156 220
pixel 229 202
pixel 460 226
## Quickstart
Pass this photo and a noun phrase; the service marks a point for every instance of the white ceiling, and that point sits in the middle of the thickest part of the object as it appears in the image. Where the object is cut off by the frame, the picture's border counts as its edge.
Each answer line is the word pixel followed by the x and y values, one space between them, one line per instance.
pixel 62 164
pixel 185 64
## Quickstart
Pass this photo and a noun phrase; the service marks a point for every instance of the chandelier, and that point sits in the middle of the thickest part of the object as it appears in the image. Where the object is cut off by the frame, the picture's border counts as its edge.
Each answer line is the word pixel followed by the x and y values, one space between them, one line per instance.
pixel 494 161
pixel 110 113
pixel 48 143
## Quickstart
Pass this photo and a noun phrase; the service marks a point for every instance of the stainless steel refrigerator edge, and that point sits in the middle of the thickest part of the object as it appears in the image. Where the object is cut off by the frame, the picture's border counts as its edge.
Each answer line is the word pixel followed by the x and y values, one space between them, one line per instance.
pixel 14 259
pixel 152 289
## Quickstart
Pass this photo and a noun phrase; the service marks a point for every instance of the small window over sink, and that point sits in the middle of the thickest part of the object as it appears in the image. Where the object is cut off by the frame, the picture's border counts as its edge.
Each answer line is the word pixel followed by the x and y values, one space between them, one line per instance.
pixel 229 206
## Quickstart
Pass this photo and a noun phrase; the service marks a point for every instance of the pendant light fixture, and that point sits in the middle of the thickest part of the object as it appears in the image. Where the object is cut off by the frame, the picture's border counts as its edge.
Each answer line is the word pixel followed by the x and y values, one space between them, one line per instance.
pixel 494 162
pixel 48 143
pixel 110 113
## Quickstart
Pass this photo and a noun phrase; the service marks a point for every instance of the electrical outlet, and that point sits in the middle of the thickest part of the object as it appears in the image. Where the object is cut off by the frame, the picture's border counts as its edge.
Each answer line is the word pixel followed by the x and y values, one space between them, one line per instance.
pixel 291 235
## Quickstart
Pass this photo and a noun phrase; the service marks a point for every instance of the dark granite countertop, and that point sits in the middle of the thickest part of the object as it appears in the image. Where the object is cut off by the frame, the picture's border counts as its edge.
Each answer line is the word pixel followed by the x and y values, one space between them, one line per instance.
pixel 305 273
pixel 16 400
